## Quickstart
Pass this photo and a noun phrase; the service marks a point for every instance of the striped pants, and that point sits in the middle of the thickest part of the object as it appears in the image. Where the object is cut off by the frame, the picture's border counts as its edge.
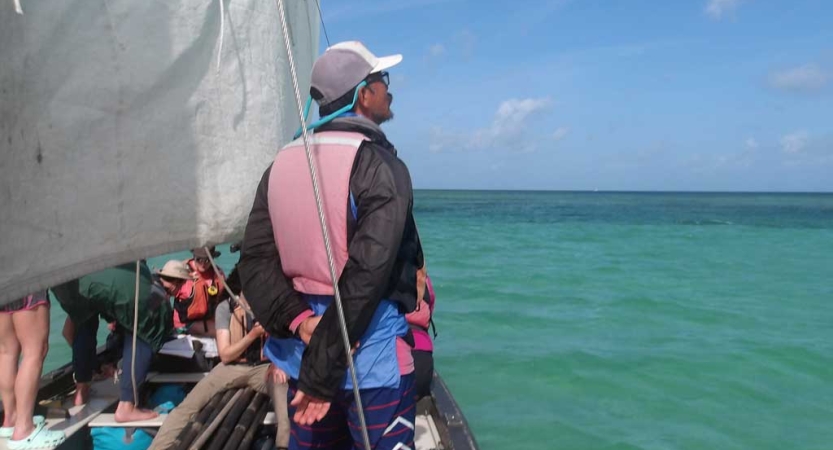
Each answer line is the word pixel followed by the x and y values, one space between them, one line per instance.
pixel 389 413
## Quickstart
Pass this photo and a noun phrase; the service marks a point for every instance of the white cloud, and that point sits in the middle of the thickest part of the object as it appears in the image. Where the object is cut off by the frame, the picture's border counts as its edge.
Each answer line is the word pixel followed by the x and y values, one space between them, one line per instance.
pixel 512 113
pixel 794 142
pixel 560 133
pixel 716 9
pixel 436 50
pixel 808 77
pixel 506 130
pixel 751 143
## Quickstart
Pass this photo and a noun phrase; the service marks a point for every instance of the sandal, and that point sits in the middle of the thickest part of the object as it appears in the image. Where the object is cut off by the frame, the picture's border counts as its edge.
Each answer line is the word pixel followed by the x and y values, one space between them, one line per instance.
pixel 7 432
pixel 39 438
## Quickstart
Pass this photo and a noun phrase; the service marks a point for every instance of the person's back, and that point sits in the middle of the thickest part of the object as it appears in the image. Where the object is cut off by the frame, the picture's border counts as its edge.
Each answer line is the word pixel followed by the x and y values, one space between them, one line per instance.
pixel 367 197
pixel 111 293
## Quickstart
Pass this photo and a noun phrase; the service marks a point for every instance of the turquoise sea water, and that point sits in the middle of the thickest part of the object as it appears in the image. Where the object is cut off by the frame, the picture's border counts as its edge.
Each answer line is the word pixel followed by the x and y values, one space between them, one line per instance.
pixel 630 320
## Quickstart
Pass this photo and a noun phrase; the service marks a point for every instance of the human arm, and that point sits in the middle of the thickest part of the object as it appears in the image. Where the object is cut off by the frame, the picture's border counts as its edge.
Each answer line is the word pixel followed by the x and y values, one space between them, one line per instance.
pixel 229 352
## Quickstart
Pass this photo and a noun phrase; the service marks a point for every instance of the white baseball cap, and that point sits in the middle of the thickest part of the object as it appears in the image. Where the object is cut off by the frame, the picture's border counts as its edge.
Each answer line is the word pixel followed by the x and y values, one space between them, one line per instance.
pixel 342 67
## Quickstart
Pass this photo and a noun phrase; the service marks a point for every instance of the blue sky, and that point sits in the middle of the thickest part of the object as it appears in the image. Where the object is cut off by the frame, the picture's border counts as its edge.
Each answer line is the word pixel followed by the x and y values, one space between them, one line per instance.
pixel 714 95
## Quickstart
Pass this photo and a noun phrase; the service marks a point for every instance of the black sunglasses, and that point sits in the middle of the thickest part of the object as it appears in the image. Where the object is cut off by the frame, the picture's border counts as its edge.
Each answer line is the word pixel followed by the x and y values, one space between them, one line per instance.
pixel 202 260
pixel 384 77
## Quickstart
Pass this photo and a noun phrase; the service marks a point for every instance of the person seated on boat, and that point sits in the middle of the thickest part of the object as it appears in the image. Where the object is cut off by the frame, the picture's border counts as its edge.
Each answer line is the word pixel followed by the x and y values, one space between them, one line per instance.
pixel 208 291
pixel 376 252
pixel 419 322
pixel 24 329
pixel 240 342
pixel 111 294
pixel 191 312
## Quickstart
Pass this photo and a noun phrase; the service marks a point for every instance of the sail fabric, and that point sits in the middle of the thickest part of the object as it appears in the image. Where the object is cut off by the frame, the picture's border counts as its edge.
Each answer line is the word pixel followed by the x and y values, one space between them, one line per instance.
pixel 122 138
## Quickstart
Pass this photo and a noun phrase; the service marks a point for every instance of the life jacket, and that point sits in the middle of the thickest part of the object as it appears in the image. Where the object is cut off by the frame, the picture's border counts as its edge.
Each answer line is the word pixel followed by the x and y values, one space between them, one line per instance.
pixel 241 324
pixel 294 216
pixel 206 294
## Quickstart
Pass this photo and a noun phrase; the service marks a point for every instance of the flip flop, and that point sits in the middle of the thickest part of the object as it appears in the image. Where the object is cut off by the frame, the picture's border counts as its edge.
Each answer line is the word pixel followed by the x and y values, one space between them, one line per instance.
pixel 7 432
pixel 39 438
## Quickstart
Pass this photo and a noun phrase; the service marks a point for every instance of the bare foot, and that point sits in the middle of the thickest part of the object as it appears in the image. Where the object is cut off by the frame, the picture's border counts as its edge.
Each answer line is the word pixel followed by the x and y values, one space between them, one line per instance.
pixel 127 412
pixel 82 393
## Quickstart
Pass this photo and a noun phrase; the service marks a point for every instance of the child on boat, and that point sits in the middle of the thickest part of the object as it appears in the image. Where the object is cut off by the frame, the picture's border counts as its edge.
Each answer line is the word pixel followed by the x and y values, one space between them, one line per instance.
pixel 24 329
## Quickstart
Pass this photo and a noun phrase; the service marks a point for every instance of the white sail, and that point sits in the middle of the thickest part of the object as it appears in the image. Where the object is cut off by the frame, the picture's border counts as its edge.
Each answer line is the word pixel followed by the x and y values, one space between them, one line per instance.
pixel 121 137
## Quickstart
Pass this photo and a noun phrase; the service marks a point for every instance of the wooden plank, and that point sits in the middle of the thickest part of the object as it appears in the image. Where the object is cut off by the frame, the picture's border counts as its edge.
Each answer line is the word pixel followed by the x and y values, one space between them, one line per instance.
pixel 158 378
pixel 109 420
pixel 426 435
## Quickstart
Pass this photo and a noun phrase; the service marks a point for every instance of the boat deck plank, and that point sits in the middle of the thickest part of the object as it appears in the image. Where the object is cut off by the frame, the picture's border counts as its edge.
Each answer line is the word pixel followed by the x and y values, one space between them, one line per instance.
pixel 426 436
pixel 109 420
pixel 159 378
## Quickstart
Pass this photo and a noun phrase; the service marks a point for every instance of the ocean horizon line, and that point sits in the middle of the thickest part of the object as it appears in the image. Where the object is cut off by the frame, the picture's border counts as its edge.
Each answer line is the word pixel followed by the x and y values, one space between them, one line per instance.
pixel 604 191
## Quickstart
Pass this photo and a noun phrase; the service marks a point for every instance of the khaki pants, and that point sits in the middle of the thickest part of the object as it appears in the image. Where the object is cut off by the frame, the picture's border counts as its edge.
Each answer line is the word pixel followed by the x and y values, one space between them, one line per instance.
pixel 221 378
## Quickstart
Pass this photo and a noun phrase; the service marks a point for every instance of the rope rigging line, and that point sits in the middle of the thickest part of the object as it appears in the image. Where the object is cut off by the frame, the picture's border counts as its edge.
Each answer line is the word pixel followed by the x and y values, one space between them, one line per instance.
pixel 135 330
pixel 321 16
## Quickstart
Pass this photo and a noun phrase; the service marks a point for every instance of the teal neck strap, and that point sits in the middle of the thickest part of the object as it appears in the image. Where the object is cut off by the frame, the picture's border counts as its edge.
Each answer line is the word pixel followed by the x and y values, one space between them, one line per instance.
pixel 329 117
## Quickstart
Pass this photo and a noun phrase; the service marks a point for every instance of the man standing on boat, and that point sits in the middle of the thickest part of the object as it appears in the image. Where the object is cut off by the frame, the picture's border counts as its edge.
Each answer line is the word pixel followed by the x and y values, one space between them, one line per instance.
pixel 368 199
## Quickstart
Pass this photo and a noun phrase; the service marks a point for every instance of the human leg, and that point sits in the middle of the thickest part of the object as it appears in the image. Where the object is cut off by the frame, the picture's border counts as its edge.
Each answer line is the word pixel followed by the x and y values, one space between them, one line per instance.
pixel 32 331
pixel 127 409
pixel 389 414
pixel 331 432
pixel 9 355
pixel 278 392
pixel 423 372
pixel 84 357
pixel 220 378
